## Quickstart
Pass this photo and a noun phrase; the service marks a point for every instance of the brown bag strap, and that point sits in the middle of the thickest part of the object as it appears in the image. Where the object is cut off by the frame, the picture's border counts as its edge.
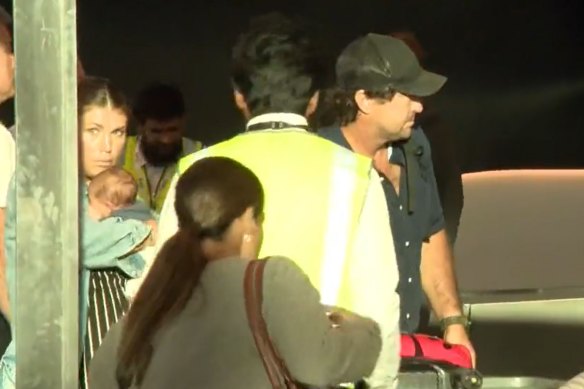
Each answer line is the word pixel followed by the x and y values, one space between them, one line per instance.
pixel 253 292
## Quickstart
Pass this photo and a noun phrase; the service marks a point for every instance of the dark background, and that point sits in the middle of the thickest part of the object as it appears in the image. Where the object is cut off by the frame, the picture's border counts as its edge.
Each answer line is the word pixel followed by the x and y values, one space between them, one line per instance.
pixel 516 68
pixel 514 98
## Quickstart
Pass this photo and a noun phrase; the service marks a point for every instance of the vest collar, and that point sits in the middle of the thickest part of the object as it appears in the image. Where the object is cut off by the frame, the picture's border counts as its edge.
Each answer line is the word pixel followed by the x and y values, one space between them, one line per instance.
pixel 289 118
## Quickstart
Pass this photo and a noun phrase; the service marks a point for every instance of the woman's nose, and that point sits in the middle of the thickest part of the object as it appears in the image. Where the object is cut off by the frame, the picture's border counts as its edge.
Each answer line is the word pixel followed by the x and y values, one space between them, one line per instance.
pixel 106 144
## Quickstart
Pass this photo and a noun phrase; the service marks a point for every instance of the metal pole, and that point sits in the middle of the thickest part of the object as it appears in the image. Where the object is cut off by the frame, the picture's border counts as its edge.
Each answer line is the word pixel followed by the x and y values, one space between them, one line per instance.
pixel 46 306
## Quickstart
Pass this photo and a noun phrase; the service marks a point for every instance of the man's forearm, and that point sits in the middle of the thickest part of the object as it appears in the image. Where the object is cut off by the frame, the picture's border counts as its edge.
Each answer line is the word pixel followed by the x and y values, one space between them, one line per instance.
pixel 439 283
pixel 438 276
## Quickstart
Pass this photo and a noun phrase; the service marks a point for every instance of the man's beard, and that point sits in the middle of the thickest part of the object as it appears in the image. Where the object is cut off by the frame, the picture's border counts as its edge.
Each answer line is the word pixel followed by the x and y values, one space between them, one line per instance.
pixel 161 154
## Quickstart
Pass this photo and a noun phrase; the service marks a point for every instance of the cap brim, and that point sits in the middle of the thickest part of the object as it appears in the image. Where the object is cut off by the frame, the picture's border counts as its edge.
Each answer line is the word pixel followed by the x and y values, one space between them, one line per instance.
pixel 426 84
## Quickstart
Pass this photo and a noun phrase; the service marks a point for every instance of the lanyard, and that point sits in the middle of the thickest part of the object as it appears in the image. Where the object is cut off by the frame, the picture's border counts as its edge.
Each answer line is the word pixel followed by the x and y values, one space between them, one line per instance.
pixel 152 196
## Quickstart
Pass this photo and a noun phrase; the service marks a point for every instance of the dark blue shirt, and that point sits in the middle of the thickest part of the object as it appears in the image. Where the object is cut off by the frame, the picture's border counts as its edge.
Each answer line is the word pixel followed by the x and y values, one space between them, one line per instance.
pixel 413 219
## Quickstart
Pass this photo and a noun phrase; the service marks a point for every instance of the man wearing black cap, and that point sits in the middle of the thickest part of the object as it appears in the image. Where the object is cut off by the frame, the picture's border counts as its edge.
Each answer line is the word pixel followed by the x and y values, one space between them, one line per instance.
pixel 379 83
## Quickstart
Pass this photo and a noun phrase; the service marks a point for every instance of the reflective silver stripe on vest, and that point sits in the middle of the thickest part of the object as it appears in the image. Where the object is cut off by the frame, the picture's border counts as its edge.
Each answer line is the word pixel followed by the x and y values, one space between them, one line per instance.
pixel 341 198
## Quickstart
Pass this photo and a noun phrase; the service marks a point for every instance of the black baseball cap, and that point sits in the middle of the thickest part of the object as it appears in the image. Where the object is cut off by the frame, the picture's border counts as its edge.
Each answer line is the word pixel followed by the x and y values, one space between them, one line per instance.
pixel 377 62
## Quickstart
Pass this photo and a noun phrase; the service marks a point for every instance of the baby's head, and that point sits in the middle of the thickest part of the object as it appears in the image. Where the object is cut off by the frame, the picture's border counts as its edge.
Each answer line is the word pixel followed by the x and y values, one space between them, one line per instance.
pixel 111 190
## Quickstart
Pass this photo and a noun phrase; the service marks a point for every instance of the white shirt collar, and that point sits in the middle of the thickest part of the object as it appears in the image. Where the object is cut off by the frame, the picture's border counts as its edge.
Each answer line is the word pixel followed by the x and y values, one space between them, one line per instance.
pixel 290 118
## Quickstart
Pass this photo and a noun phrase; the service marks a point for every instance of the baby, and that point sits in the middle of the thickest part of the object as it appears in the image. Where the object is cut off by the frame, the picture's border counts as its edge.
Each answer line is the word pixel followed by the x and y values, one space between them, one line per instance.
pixel 112 190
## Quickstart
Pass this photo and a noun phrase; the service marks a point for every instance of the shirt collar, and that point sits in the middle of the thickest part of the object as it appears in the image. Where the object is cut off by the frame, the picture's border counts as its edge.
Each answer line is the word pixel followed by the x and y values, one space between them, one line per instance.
pixel 289 118
pixel 395 154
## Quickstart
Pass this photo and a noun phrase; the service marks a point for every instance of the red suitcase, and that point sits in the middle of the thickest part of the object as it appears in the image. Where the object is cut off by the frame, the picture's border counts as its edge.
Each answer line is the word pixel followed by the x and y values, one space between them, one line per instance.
pixel 424 355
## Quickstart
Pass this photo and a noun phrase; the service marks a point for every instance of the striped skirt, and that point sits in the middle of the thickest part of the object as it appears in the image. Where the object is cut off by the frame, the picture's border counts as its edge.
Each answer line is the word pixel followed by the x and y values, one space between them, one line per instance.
pixel 107 304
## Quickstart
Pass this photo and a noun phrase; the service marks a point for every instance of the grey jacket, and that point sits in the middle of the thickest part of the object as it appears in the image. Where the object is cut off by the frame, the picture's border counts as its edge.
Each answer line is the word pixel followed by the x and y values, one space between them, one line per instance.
pixel 209 344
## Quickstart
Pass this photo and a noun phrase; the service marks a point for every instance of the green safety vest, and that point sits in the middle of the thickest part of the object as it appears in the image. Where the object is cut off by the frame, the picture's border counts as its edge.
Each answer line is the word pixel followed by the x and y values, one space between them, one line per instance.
pixel 314 193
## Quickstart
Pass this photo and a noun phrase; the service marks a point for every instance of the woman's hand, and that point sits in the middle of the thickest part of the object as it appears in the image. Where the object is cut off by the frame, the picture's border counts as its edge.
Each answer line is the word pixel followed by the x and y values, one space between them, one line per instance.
pixel 339 316
pixel 153 237
pixel 150 240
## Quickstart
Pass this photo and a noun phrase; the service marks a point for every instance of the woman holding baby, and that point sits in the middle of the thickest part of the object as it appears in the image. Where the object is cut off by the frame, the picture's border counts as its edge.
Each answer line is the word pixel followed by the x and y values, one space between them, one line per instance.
pixel 108 246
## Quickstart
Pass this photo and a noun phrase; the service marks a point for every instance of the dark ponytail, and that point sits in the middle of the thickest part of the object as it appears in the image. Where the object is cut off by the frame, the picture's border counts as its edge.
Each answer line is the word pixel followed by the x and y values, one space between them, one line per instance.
pixel 169 285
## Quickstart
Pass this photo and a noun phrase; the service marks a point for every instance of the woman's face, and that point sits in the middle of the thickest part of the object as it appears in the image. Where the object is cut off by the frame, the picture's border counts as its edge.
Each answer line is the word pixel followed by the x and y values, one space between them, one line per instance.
pixel 103 136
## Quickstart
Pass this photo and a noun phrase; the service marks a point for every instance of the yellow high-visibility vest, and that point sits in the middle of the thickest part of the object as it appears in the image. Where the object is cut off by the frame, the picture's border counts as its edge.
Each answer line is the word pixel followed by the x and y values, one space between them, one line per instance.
pixel 314 193
pixel 153 200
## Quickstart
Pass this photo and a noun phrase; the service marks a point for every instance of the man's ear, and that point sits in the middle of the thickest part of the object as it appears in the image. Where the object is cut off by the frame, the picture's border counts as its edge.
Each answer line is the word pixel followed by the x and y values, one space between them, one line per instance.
pixel 312 104
pixel 364 103
pixel 240 103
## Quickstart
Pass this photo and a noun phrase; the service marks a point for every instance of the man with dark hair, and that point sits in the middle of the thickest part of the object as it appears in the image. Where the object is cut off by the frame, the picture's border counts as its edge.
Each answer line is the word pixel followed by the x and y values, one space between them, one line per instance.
pixel 151 156
pixel 380 81
pixel 285 83
pixel 324 204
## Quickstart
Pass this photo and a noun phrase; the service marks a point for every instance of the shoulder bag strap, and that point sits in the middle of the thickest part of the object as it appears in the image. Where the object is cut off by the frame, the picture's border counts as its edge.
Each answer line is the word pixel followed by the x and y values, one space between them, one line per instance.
pixel 253 292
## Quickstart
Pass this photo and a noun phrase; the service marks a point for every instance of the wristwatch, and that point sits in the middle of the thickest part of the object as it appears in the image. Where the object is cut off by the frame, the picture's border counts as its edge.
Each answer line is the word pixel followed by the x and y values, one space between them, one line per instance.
pixel 451 320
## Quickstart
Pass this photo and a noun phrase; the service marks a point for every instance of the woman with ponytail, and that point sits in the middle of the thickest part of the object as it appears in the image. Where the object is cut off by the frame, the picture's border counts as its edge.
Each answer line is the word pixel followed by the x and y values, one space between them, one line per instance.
pixel 187 326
